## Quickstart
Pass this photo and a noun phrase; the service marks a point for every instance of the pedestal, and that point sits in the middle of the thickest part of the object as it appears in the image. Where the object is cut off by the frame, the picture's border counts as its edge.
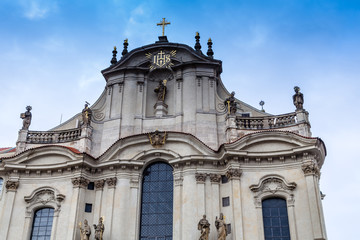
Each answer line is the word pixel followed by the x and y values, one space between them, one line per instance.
pixel 160 109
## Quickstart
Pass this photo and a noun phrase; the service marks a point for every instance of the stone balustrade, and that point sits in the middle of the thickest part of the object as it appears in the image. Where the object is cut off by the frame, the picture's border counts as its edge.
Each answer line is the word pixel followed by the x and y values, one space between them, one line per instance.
pixel 42 137
pixel 269 122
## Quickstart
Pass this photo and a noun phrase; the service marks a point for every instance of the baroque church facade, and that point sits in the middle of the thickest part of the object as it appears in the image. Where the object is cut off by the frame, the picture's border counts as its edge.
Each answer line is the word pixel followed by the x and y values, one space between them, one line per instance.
pixel 165 144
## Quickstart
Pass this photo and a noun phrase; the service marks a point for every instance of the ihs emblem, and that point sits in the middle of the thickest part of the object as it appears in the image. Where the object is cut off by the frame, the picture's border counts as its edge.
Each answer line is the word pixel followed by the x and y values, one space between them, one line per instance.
pixel 161 60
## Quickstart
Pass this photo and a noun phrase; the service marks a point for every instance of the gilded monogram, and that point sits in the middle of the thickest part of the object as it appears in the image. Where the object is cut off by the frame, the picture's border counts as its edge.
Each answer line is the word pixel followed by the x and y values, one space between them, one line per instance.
pixel 161 60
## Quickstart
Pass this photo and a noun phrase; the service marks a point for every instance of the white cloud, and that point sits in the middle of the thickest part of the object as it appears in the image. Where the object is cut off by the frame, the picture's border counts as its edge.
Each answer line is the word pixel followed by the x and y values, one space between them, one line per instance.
pixel 38 9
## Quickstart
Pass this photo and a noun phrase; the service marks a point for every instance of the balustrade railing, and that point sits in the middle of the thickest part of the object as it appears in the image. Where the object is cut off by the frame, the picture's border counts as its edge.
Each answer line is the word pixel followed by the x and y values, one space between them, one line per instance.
pixel 270 122
pixel 53 136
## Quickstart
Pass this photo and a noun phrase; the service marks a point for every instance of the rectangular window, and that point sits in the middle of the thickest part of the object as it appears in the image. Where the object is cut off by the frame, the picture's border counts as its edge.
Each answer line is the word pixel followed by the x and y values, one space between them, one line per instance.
pixel 226 201
pixel 88 207
pixel 224 179
pixel 90 186
pixel 245 115
pixel 228 228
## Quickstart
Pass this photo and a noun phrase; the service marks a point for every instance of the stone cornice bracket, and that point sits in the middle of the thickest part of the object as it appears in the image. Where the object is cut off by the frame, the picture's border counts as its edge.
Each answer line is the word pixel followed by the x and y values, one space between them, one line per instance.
pixel 273 185
pixel 200 177
pixel 311 168
pixel 111 182
pixel 233 173
pixel 215 178
pixel 80 182
pixel 99 184
pixel 11 186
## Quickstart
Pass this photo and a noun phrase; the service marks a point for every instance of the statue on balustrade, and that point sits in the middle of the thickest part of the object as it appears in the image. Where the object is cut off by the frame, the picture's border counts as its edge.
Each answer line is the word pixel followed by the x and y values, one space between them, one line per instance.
pixel 85 231
pixel 86 115
pixel 99 229
pixel 298 99
pixel 221 227
pixel 231 104
pixel 161 90
pixel 26 116
pixel 204 227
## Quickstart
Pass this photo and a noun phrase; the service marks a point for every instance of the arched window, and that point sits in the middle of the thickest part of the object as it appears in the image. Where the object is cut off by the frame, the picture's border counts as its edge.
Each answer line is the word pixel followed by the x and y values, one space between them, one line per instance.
pixel 1 185
pixel 42 224
pixel 275 218
pixel 157 202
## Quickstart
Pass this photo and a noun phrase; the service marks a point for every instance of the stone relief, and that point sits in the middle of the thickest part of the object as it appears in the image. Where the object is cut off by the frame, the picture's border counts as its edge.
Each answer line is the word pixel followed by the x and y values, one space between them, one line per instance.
pixel 157 139
pixel 45 196
pixel 273 185
pixel 204 227
pixel 221 227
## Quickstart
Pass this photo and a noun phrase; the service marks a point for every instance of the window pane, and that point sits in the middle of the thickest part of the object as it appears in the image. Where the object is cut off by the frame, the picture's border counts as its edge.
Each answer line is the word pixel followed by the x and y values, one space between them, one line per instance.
pixel 42 224
pixel 157 202
pixel 275 219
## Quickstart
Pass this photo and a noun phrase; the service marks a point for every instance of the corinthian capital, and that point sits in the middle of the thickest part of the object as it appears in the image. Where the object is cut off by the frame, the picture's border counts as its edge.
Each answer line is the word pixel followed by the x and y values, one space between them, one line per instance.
pixel 311 168
pixel 12 185
pixel 80 182
pixel 233 173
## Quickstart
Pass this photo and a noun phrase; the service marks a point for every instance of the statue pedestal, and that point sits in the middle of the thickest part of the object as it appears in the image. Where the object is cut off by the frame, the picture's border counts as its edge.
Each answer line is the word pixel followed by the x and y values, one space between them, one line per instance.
pixel 231 128
pixel 85 139
pixel 160 109
pixel 21 142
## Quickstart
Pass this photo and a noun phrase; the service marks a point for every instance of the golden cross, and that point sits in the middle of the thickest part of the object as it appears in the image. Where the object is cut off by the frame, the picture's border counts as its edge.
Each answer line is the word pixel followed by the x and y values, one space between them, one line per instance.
pixel 163 23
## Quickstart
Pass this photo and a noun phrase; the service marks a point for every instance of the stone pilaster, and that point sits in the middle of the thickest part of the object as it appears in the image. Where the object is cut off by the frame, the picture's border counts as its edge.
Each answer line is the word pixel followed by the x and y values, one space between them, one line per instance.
pixel 99 189
pixel 201 200
pixel 215 200
pixel 231 128
pixel 312 173
pixel 111 182
pixel 11 189
pixel 77 203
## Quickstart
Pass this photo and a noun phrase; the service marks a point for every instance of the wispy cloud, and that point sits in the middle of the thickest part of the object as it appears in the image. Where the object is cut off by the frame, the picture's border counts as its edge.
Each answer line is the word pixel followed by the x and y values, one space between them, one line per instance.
pixel 38 9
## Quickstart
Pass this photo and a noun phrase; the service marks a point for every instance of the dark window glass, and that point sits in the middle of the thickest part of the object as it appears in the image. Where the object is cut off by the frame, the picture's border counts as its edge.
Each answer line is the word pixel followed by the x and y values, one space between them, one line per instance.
pixel 91 186
pixel 42 224
pixel 224 179
pixel 1 184
pixel 228 228
pixel 157 203
pixel 226 201
pixel 245 115
pixel 275 218
pixel 88 207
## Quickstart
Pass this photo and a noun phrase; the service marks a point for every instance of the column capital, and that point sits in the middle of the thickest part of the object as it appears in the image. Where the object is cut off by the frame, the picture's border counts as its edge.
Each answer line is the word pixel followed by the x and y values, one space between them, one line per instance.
pixel 215 178
pixel 99 184
pixel 233 173
pixel 80 182
pixel 310 168
pixel 11 186
pixel 200 177
pixel 111 182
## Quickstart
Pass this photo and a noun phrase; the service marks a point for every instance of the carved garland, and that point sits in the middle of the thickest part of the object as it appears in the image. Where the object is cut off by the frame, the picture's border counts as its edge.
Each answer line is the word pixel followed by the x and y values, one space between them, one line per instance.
pixel 273 186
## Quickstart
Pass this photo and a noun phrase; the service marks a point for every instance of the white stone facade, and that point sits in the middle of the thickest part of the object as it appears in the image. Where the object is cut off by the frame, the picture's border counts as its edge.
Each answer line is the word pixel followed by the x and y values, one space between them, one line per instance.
pixel 261 155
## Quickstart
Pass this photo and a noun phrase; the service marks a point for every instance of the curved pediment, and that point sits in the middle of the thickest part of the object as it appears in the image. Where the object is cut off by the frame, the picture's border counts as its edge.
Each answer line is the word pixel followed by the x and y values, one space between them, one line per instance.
pixel 160 55
pixel 140 148
pixel 45 156
pixel 272 142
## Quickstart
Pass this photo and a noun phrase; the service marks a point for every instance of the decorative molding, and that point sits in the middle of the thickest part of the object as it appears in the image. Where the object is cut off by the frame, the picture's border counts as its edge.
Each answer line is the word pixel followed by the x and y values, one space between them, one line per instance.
pixel 80 182
pixel 11 186
pixel 233 173
pixel 99 184
pixel 111 182
pixel 200 177
pixel 44 197
pixel 273 186
pixel 215 178
pixel 311 168
pixel 134 182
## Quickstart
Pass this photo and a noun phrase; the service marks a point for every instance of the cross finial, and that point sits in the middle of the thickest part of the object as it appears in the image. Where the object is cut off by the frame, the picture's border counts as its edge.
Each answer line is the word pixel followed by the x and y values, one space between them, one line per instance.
pixel 163 23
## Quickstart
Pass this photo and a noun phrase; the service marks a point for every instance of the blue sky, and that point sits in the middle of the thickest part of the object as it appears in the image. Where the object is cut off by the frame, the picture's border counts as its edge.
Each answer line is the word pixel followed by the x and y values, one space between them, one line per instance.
pixel 52 52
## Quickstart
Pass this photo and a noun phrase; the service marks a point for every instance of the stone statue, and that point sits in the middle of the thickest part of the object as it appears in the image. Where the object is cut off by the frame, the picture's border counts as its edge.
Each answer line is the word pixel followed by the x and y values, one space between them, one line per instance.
pixel 204 227
pixel 26 116
pixel 99 229
pixel 161 90
pixel 231 104
pixel 298 99
pixel 85 231
pixel 86 115
pixel 221 227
